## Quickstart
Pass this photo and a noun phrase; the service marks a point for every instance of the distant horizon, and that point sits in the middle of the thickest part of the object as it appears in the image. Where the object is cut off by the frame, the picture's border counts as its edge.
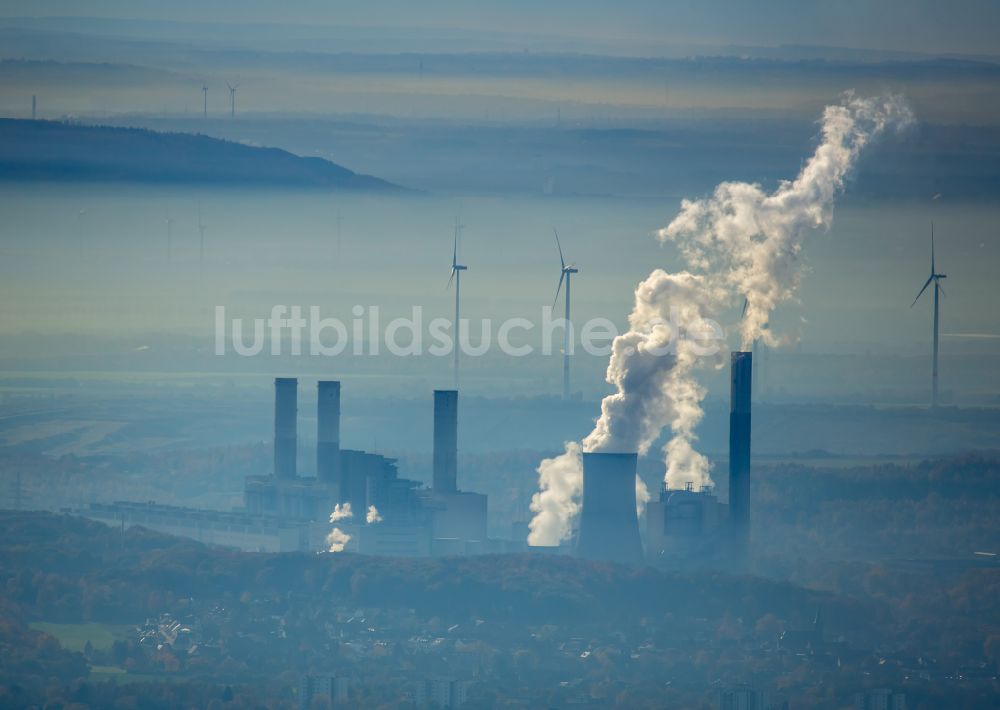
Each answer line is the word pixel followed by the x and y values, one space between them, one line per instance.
pixel 926 25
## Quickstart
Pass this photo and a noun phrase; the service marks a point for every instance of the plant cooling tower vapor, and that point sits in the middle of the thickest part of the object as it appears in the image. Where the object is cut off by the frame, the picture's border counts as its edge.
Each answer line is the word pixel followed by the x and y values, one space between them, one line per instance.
pixel 651 367
pixel 749 240
pixel 337 540
pixel 740 243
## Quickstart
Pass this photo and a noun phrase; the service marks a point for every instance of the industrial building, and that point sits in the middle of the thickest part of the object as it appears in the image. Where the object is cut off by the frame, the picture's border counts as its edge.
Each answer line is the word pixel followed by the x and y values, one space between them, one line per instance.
pixel 609 524
pixel 741 377
pixel 684 527
pixel 380 513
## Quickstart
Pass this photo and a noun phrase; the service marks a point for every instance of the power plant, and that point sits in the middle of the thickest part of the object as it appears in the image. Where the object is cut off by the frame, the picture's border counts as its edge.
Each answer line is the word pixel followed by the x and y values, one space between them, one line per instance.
pixel 741 377
pixel 445 441
pixel 609 524
pixel 692 527
pixel 286 415
pixel 328 431
pixel 377 511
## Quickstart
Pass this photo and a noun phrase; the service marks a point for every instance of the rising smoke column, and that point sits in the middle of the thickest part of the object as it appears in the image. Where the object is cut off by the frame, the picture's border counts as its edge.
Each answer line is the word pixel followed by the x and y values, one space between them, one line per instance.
pixel 337 540
pixel 750 240
pixel 651 368
pixel 744 242
pixel 556 504
pixel 341 511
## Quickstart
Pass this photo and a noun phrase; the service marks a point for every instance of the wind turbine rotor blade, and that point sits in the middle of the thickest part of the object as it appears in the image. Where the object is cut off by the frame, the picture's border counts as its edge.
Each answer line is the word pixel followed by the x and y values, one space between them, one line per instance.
pixel 454 252
pixel 940 288
pixel 932 248
pixel 746 304
pixel 559 287
pixel 450 279
pixel 926 284
pixel 561 260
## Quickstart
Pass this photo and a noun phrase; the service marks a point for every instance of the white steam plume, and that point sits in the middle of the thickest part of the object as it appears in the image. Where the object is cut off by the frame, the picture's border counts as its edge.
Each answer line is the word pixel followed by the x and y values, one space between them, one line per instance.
pixel 555 505
pixel 341 511
pixel 750 240
pixel 373 516
pixel 746 243
pixel 337 540
pixel 651 368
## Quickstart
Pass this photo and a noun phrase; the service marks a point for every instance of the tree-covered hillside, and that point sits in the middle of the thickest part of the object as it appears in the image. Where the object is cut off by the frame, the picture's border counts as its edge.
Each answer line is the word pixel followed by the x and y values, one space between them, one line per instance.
pixel 57 151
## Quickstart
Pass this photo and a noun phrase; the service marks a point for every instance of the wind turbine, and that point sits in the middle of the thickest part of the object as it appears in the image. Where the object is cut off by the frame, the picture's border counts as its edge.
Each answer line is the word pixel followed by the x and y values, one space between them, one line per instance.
pixel 169 221
pixel 204 91
pixel 232 99
pixel 565 273
pixel 936 278
pixel 456 276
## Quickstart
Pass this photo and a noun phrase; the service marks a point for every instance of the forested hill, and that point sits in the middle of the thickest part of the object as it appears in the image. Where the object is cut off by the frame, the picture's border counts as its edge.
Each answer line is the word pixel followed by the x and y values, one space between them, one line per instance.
pixel 56 151
pixel 73 553
pixel 159 607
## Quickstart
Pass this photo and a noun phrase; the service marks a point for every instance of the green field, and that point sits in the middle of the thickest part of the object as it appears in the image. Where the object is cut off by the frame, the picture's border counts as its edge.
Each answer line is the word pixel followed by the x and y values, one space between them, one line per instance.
pixel 120 675
pixel 74 637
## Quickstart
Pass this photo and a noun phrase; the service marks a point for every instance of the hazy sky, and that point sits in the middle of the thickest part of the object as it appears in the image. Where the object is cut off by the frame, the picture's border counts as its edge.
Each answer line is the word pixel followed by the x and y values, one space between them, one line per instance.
pixel 968 26
pixel 514 144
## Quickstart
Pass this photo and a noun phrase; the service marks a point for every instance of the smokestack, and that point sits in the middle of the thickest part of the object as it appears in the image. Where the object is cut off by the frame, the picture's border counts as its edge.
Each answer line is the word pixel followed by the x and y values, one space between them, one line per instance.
pixel 609 526
pixel 739 448
pixel 446 441
pixel 328 431
pixel 286 408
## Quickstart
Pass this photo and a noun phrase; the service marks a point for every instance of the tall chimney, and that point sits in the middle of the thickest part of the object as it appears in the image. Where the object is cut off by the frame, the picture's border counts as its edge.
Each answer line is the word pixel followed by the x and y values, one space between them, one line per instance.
pixel 328 431
pixel 609 525
pixel 446 441
pixel 286 408
pixel 739 449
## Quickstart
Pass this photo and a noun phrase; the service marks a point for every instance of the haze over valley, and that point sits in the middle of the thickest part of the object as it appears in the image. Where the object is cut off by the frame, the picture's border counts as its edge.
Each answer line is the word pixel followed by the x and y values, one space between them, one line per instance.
pixel 240 468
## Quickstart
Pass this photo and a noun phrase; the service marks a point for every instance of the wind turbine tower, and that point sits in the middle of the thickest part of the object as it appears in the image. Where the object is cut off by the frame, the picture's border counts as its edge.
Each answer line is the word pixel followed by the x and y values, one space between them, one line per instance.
pixel 936 278
pixel 456 276
pixel 204 109
pixel 232 99
pixel 565 273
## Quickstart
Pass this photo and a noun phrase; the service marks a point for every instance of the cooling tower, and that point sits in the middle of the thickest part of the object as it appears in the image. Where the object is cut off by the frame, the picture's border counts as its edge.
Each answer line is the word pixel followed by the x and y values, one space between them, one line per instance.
pixel 445 441
pixel 739 448
pixel 328 431
pixel 609 527
pixel 285 411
